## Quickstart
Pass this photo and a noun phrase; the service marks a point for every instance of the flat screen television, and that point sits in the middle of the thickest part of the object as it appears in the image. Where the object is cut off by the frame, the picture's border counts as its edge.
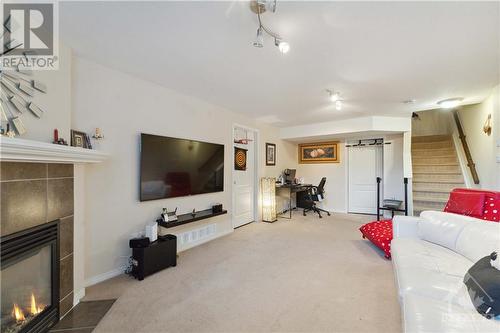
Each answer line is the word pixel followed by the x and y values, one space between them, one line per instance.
pixel 172 167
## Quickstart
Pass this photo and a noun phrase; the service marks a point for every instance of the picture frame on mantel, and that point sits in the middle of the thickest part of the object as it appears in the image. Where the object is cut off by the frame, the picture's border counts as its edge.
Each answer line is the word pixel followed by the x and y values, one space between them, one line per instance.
pixel 80 139
pixel 322 152
pixel 270 154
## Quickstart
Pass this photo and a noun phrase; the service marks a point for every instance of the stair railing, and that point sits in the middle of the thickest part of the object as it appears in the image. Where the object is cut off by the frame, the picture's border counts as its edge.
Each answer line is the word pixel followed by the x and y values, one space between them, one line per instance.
pixel 468 156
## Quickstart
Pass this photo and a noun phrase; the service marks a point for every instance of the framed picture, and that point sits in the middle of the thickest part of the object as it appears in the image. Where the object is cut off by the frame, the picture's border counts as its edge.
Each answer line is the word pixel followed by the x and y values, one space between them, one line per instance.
pixel 80 139
pixel 270 153
pixel 323 152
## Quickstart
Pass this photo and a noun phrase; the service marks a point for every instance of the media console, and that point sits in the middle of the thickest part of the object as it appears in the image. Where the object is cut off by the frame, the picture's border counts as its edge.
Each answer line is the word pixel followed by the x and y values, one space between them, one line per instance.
pixel 190 217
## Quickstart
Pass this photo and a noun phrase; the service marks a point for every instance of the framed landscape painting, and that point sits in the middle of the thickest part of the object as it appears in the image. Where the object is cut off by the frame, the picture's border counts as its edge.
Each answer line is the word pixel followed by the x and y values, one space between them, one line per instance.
pixel 323 152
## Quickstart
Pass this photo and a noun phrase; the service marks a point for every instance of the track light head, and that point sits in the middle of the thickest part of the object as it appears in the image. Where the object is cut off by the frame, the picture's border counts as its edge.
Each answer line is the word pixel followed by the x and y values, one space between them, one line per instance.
pixel 259 39
pixel 284 47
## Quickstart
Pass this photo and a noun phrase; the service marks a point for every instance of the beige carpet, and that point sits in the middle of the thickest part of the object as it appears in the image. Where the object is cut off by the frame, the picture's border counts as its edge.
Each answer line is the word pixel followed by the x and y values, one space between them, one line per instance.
pixel 304 274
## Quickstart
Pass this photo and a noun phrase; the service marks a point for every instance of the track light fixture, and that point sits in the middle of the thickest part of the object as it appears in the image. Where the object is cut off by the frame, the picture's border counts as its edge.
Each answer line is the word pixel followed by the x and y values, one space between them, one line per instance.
pixel 259 7
pixel 335 98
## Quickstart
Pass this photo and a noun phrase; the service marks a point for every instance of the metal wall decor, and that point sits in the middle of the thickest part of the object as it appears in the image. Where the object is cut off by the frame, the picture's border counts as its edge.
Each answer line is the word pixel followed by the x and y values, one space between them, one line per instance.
pixel 18 87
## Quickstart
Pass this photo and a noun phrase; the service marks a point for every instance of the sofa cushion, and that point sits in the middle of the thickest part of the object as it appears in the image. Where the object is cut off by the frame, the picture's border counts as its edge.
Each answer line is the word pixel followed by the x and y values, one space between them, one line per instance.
pixel 478 239
pixel 424 314
pixel 420 254
pixel 466 203
pixel 442 228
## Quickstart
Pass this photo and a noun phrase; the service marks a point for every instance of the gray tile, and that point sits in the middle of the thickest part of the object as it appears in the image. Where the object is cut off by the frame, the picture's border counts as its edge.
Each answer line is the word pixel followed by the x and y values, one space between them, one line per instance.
pixel 24 205
pixel 60 170
pixel 60 198
pixel 22 170
pixel 84 315
pixel 66 276
pixel 66 237
pixel 65 305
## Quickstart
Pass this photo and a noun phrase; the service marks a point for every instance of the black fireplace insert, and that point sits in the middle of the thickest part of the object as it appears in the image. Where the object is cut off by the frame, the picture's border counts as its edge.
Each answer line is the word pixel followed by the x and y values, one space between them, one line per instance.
pixel 30 279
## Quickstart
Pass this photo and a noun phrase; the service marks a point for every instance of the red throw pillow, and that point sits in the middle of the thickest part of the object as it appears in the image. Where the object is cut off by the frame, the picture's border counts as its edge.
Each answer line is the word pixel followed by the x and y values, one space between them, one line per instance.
pixel 492 210
pixel 466 203
pixel 380 234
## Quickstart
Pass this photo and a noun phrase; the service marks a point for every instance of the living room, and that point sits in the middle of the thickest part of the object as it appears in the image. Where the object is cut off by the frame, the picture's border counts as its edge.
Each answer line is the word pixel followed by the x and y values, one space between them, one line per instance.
pixel 309 166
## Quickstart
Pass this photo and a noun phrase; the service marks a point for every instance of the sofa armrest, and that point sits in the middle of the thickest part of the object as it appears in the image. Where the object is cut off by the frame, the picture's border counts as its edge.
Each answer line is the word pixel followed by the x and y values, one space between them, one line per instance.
pixel 405 226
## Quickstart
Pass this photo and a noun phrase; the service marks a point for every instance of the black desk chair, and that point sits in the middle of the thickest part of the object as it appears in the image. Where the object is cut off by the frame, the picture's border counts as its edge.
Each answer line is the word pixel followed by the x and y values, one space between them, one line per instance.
pixel 313 196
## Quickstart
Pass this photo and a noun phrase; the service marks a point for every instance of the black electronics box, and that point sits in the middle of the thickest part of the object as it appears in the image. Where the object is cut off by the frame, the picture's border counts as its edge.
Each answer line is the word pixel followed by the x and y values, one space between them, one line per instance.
pixel 217 208
pixel 139 242
pixel 157 256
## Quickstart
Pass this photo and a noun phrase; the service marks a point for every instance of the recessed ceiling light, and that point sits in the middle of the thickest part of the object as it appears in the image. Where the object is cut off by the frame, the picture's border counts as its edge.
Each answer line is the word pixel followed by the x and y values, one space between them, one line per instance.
pixel 338 105
pixel 450 102
pixel 334 96
pixel 410 101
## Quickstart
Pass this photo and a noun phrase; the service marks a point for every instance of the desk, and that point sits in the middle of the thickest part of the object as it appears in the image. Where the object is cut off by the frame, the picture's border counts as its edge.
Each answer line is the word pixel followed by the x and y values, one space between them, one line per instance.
pixel 292 188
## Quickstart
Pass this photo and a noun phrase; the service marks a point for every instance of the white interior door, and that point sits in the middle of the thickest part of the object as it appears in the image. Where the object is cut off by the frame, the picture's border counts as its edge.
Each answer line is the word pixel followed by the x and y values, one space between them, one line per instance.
pixel 244 182
pixel 365 165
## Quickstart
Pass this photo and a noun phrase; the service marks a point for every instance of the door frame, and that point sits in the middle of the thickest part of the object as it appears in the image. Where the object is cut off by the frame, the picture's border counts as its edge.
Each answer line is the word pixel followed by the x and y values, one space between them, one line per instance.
pixel 348 178
pixel 256 177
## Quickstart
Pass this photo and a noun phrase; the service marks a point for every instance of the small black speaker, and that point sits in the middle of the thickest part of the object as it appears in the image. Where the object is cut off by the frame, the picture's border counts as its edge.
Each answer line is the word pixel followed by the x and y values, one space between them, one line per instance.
pixel 217 208
pixel 139 242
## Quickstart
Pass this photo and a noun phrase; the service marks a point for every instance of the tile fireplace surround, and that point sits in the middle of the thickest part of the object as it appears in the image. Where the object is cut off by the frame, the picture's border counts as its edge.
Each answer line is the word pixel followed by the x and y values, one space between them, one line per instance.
pixel 33 194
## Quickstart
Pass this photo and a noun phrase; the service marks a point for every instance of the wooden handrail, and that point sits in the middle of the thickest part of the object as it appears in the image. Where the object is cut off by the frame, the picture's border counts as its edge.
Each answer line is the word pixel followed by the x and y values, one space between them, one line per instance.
pixel 468 156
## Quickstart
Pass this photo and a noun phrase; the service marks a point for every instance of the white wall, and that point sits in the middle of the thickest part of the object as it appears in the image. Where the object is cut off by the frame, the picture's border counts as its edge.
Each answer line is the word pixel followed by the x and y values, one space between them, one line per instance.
pixel 56 103
pixel 336 180
pixel 432 122
pixel 393 167
pixel 124 106
pixel 483 147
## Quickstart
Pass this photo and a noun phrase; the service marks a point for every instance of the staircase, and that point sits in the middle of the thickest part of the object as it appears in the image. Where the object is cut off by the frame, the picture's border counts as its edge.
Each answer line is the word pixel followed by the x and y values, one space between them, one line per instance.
pixel 436 172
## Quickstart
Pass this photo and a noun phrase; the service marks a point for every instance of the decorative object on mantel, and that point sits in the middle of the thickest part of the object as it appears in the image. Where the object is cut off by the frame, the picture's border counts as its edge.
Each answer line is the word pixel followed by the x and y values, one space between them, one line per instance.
pixel 324 152
pixel 487 126
pixel 270 154
pixel 57 139
pixel 98 134
pixel 240 159
pixel 80 139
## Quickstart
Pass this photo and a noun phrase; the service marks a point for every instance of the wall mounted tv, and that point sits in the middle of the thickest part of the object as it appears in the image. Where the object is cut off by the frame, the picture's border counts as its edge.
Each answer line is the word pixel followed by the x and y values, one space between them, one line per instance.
pixel 172 167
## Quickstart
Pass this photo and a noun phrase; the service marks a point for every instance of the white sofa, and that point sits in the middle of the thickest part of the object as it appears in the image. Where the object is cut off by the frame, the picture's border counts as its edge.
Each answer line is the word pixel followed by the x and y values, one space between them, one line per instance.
pixel 431 255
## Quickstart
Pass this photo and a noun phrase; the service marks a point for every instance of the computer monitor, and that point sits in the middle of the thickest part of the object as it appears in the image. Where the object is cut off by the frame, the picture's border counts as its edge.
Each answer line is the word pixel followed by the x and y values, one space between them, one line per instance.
pixel 289 176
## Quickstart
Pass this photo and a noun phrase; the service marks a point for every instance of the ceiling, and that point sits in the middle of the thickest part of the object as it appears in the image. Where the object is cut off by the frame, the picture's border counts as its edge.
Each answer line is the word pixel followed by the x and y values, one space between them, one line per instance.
pixel 377 54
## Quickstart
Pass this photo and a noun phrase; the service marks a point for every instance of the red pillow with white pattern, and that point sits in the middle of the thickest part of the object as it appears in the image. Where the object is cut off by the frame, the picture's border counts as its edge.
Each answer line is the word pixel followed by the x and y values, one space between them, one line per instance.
pixel 466 203
pixel 380 234
pixel 492 210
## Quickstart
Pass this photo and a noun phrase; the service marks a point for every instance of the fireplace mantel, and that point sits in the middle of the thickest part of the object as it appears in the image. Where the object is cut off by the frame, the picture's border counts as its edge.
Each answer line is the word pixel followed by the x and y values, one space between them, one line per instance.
pixel 21 150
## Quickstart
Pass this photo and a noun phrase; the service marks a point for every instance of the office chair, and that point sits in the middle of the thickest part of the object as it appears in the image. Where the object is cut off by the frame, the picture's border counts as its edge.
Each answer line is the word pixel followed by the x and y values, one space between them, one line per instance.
pixel 313 197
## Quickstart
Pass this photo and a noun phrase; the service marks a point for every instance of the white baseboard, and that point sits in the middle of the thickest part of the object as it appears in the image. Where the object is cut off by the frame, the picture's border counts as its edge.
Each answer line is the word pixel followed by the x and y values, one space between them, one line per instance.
pixel 78 295
pixel 105 276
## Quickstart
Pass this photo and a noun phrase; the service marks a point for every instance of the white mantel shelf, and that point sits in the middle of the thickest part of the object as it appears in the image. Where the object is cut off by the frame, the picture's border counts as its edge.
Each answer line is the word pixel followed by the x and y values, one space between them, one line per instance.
pixel 20 150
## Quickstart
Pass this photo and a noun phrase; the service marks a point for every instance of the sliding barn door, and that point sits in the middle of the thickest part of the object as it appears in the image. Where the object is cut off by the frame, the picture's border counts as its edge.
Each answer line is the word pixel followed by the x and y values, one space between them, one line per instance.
pixel 365 165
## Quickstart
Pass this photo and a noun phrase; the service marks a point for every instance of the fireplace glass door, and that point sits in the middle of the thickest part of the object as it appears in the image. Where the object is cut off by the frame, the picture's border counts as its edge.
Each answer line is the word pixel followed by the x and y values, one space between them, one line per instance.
pixel 26 288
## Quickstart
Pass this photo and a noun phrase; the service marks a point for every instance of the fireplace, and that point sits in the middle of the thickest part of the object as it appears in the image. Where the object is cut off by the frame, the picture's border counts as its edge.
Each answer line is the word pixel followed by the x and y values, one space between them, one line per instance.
pixel 30 279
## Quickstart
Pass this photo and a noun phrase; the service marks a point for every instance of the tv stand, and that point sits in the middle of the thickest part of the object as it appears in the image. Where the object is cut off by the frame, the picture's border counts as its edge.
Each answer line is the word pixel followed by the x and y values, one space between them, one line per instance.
pixel 190 217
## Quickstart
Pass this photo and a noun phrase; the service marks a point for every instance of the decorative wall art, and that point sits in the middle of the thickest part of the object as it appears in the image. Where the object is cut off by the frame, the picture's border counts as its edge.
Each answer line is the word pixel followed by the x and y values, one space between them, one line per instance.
pixel 270 154
pixel 18 88
pixel 240 159
pixel 487 126
pixel 324 152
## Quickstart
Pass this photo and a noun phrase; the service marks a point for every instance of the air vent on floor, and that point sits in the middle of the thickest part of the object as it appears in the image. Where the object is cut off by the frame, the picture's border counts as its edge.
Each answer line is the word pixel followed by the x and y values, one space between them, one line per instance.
pixel 197 235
